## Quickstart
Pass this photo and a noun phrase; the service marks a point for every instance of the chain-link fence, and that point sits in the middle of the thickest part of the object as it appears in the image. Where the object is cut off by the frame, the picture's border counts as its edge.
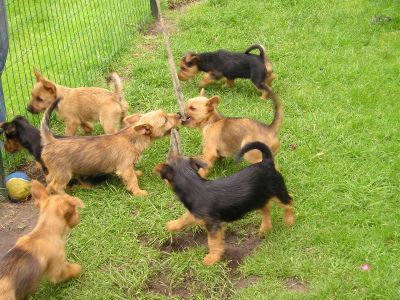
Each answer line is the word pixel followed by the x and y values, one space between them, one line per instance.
pixel 72 42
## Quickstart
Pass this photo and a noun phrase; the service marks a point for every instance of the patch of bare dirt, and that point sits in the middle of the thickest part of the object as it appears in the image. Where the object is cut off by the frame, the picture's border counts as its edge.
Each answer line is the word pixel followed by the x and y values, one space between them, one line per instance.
pixel 163 285
pixel 237 248
pixel 16 219
pixel 33 170
pixel 180 4
pixel 244 282
pixel 296 285
pixel 155 28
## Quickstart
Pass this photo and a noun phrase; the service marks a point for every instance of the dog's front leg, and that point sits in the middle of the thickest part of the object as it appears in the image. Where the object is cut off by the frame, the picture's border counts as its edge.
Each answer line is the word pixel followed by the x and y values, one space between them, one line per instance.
pixel 71 127
pixel 131 182
pixel 66 272
pixel 185 221
pixel 216 244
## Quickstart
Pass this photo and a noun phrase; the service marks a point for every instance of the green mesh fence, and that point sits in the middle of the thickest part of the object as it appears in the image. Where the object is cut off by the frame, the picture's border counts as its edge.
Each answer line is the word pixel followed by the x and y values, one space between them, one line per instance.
pixel 72 42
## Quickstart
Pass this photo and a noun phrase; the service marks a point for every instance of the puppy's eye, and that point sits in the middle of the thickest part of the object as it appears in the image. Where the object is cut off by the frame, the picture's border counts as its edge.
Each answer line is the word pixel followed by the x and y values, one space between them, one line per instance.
pixel 39 99
pixel 192 108
pixel 189 64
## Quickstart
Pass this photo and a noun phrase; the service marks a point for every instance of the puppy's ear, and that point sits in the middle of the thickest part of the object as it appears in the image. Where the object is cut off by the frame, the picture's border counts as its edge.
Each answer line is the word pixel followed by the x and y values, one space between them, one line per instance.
pixel 49 86
pixel 38 76
pixel 145 129
pixel 197 164
pixel 132 119
pixel 191 57
pixel 165 171
pixel 212 103
pixel 39 194
pixel 70 210
pixel 159 168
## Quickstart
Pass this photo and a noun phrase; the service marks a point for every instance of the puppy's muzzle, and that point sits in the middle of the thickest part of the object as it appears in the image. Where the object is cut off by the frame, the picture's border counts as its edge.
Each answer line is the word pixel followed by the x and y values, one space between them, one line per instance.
pixel 31 109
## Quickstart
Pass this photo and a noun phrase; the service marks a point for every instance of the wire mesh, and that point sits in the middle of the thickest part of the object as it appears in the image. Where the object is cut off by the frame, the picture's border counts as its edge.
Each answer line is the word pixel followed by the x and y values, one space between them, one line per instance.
pixel 72 42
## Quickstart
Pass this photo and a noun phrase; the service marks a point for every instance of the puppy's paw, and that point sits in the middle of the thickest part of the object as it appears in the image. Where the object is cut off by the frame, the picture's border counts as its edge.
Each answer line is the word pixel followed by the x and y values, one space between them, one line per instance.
pixel 203 172
pixel 75 270
pixel 211 259
pixel 140 192
pixel 264 228
pixel 138 173
pixel 289 218
pixel 173 226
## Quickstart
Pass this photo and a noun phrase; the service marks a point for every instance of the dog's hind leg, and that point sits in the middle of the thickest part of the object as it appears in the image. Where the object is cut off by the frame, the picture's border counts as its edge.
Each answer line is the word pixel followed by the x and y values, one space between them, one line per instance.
pixel 130 179
pixel 216 243
pixel 287 206
pixel 109 120
pixel 253 156
pixel 266 223
pixel 185 221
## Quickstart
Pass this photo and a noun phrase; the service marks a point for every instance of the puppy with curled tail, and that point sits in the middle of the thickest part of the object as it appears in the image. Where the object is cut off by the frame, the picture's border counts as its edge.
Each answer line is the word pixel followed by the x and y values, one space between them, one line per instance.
pixel 211 203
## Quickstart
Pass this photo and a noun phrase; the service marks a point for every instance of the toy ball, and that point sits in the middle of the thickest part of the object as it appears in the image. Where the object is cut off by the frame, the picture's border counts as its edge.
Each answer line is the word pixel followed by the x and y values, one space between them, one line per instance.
pixel 18 186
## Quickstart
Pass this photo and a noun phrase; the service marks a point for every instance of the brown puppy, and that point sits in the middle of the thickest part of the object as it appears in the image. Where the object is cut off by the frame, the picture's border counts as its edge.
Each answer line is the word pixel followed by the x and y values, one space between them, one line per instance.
pixel 81 106
pixel 224 137
pixel 41 253
pixel 93 155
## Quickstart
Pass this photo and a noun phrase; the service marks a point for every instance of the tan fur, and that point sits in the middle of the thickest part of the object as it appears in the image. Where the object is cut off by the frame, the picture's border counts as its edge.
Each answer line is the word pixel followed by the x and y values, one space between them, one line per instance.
pixel 45 244
pixel 186 73
pixel 12 146
pixel 216 239
pixel 81 106
pixel 224 137
pixel 106 153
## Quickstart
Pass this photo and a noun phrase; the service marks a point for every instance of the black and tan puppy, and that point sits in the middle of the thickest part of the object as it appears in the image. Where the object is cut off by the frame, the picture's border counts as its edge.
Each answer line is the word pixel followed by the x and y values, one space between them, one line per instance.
pixel 41 253
pixel 229 65
pixel 210 203
pixel 20 135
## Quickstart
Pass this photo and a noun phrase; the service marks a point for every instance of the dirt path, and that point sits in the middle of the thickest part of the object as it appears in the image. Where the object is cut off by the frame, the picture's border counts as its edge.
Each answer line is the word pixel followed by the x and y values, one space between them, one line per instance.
pixel 16 219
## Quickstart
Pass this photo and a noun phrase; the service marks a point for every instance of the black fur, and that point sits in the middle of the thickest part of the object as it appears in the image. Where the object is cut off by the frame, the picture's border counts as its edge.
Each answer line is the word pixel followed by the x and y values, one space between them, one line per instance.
pixel 25 134
pixel 226 199
pixel 234 65
pixel 23 270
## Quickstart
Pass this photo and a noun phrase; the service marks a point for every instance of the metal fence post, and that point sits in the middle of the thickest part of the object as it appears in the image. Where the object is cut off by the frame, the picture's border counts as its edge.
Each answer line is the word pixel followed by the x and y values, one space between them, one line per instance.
pixel 3 57
pixel 154 9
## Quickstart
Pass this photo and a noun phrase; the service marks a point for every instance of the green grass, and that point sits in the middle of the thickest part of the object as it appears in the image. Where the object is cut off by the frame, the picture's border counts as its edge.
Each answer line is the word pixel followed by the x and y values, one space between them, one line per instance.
pixel 338 78
pixel 71 42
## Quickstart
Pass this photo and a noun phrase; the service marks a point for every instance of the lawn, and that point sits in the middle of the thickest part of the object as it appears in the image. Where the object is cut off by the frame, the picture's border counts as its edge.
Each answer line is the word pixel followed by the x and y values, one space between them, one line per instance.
pixel 338 69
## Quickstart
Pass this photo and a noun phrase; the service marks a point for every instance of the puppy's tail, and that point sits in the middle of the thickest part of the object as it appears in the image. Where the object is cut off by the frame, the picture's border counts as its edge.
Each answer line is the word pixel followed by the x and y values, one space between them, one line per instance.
pixel 259 48
pixel 278 116
pixel 264 149
pixel 45 134
pixel 263 55
pixel 117 86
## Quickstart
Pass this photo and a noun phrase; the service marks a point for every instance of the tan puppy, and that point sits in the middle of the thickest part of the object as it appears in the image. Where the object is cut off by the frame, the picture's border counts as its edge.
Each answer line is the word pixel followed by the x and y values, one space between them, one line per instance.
pixel 93 155
pixel 41 253
pixel 81 106
pixel 224 137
